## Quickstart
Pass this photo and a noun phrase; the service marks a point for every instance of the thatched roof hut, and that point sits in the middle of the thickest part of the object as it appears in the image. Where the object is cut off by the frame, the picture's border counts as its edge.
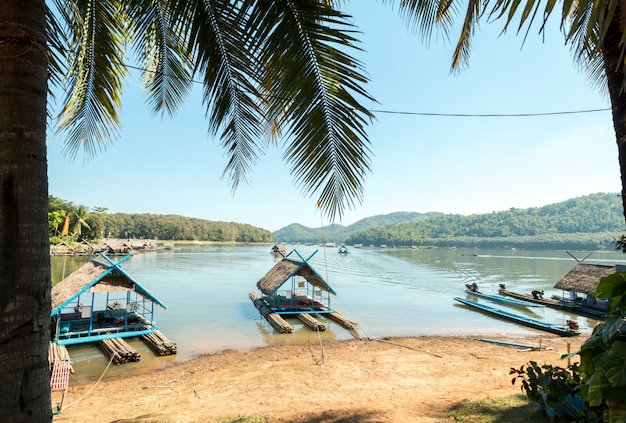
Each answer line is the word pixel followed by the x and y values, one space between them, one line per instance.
pixel 279 249
pixel 285 270
pixel 584 278
pixel 85 248
pixel 61 249
pixel 93 277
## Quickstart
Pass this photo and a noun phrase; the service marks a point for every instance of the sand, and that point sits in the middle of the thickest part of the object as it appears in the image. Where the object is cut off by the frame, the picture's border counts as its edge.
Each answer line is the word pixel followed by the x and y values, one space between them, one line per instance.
pixel 386 380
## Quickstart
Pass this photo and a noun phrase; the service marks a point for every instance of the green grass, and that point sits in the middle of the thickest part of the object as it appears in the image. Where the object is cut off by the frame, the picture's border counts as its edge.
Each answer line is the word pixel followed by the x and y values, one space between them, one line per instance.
pixel 515 409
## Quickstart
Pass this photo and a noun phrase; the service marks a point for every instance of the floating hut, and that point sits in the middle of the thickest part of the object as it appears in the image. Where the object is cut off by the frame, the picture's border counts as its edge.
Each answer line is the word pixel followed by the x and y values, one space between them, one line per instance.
pixel 61 249
pixel 279 249
pixel 101 302
pixel 584 279
pixel 293 288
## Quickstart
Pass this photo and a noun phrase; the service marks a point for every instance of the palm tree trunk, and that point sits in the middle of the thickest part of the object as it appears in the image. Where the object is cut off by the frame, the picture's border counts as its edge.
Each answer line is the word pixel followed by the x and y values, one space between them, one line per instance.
pixel 614 68
pixel 24 248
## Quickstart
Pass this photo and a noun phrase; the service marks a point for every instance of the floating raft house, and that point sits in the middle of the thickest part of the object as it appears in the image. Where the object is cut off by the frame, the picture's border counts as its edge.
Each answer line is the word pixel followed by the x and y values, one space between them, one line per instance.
pixel 293 288
pixel 102 303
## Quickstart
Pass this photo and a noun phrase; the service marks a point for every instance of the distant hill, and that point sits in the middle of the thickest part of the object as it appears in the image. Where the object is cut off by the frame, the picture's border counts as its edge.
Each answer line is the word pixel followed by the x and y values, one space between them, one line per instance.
pixel 588 222
pixel 336 232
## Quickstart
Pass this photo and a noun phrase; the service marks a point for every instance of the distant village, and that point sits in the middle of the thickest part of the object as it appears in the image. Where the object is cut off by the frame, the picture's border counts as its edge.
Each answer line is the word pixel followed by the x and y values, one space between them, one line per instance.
pixel 110 247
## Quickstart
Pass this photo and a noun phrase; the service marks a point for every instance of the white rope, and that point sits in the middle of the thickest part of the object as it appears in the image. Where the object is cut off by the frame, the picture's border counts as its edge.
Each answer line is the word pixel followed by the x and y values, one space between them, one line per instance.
pixel 95 384
pixel 319 336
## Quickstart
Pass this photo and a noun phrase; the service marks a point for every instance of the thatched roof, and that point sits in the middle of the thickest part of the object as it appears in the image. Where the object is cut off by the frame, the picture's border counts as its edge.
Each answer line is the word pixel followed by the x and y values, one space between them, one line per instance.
pixel 584 278
pixel 287 268
pixel 96 276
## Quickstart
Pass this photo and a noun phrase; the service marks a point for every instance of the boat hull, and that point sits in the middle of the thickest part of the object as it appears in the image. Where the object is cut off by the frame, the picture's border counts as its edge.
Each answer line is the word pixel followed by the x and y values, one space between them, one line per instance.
pixel 560 305
pixel 502 299
pixel 533 323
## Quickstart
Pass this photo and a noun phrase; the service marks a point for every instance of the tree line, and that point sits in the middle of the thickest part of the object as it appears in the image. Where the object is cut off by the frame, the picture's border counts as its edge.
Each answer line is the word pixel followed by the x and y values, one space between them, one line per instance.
pixel 588 222
pixel 94 223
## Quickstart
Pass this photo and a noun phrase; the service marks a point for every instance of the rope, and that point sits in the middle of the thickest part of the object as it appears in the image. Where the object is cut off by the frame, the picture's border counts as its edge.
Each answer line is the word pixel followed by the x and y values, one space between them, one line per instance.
pixel 324 241
pixel 94 385
pixel 407 347
pixel 319 336
pixel 23 39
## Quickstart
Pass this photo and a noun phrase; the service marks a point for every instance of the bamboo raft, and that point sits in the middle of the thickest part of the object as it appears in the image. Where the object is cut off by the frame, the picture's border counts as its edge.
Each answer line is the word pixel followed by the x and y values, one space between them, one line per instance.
pixel 312 322
pixel 119 351
pixel 274 319
pixel 58 352
pixel 354 328
pixel 159 343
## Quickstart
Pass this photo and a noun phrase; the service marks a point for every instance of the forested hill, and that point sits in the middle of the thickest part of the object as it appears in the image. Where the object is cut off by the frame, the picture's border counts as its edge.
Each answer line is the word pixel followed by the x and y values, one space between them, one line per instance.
pixel 591 221
pixel 92 224
pixel 336 232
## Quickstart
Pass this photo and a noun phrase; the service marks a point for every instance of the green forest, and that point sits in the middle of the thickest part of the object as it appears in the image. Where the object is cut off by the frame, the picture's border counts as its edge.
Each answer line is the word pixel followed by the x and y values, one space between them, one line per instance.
pixel 585 223
pixel 589 222
pixel 94 224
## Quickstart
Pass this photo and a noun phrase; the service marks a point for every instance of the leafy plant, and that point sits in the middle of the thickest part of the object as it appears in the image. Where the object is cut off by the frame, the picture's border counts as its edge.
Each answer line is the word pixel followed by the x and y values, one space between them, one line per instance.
pixel 555 390
pixel 603 355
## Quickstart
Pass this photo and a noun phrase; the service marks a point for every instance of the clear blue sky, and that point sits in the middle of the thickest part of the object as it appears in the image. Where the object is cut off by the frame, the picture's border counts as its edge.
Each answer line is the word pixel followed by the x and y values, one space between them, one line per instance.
pixel 462 165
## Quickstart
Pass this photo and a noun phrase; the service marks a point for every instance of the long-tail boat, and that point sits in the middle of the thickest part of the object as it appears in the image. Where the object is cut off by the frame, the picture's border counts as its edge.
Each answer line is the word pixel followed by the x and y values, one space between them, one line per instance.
pixel 526 321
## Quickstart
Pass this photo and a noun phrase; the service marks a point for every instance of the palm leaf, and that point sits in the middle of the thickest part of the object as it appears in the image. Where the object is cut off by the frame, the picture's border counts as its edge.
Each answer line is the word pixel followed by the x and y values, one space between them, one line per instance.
pixel 162 52
pixel 96 74
pixel 220 46
pixel 310 87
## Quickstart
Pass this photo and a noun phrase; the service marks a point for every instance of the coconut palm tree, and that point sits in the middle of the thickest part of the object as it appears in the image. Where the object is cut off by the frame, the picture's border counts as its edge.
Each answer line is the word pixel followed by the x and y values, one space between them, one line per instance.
pixel 24 250
pixel 273 72
pixel 80 214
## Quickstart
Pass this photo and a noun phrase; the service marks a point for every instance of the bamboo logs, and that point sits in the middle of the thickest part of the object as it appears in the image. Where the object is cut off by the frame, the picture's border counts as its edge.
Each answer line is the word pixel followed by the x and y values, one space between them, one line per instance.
pixel 58 353
pixel 273 319
pixel 119 351
pixel 159 343
pixel 312 322
pixel 354 328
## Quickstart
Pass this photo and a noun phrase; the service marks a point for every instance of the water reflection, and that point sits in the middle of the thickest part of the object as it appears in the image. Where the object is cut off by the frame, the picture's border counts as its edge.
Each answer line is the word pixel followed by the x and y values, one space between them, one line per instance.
pixel 389 292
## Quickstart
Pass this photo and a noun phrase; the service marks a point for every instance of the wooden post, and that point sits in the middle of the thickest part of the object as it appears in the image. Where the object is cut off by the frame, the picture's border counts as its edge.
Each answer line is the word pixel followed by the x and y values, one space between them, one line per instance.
pixel 568 351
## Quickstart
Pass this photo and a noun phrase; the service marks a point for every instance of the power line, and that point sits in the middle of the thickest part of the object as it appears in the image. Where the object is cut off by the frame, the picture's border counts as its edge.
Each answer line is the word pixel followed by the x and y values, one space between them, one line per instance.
pixel 570 112
pixel 432 114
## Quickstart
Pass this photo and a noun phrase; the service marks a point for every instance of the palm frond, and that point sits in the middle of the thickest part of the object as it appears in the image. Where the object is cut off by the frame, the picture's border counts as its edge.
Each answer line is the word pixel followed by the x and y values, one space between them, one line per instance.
pixel 163 54
pixel 311 86
pixel 57 48
pixel 584 34
pixel 96 74
pixel 424 17
pixel 460 58
pixel 220 46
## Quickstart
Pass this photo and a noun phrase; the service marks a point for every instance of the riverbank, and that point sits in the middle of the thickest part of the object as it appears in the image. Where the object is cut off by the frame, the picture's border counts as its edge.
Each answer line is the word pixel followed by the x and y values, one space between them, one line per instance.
pixel 386 380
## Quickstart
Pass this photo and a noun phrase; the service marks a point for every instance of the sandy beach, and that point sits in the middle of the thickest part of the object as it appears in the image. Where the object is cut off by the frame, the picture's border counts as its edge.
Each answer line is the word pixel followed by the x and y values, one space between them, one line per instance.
pixel 384 380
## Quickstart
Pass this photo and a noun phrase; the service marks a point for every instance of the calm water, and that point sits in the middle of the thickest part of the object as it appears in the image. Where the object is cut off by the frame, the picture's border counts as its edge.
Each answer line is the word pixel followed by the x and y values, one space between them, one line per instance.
pixel 390 292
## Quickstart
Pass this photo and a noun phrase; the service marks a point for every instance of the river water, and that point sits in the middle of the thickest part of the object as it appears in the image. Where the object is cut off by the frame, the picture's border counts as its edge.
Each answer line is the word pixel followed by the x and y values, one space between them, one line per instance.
pixel 389 292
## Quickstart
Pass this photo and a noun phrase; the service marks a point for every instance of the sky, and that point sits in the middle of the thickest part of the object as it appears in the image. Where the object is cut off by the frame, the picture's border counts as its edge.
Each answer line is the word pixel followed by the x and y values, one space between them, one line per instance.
pixel 459 165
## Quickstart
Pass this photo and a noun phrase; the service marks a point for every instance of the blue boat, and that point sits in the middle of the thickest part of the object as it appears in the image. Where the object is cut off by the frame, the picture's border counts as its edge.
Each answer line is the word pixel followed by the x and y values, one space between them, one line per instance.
pixel 526 321
pixel 502 299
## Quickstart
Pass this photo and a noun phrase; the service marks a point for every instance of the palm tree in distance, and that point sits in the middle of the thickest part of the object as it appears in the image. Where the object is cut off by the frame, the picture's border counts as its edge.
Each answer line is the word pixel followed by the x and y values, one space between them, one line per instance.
pixel 80 214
